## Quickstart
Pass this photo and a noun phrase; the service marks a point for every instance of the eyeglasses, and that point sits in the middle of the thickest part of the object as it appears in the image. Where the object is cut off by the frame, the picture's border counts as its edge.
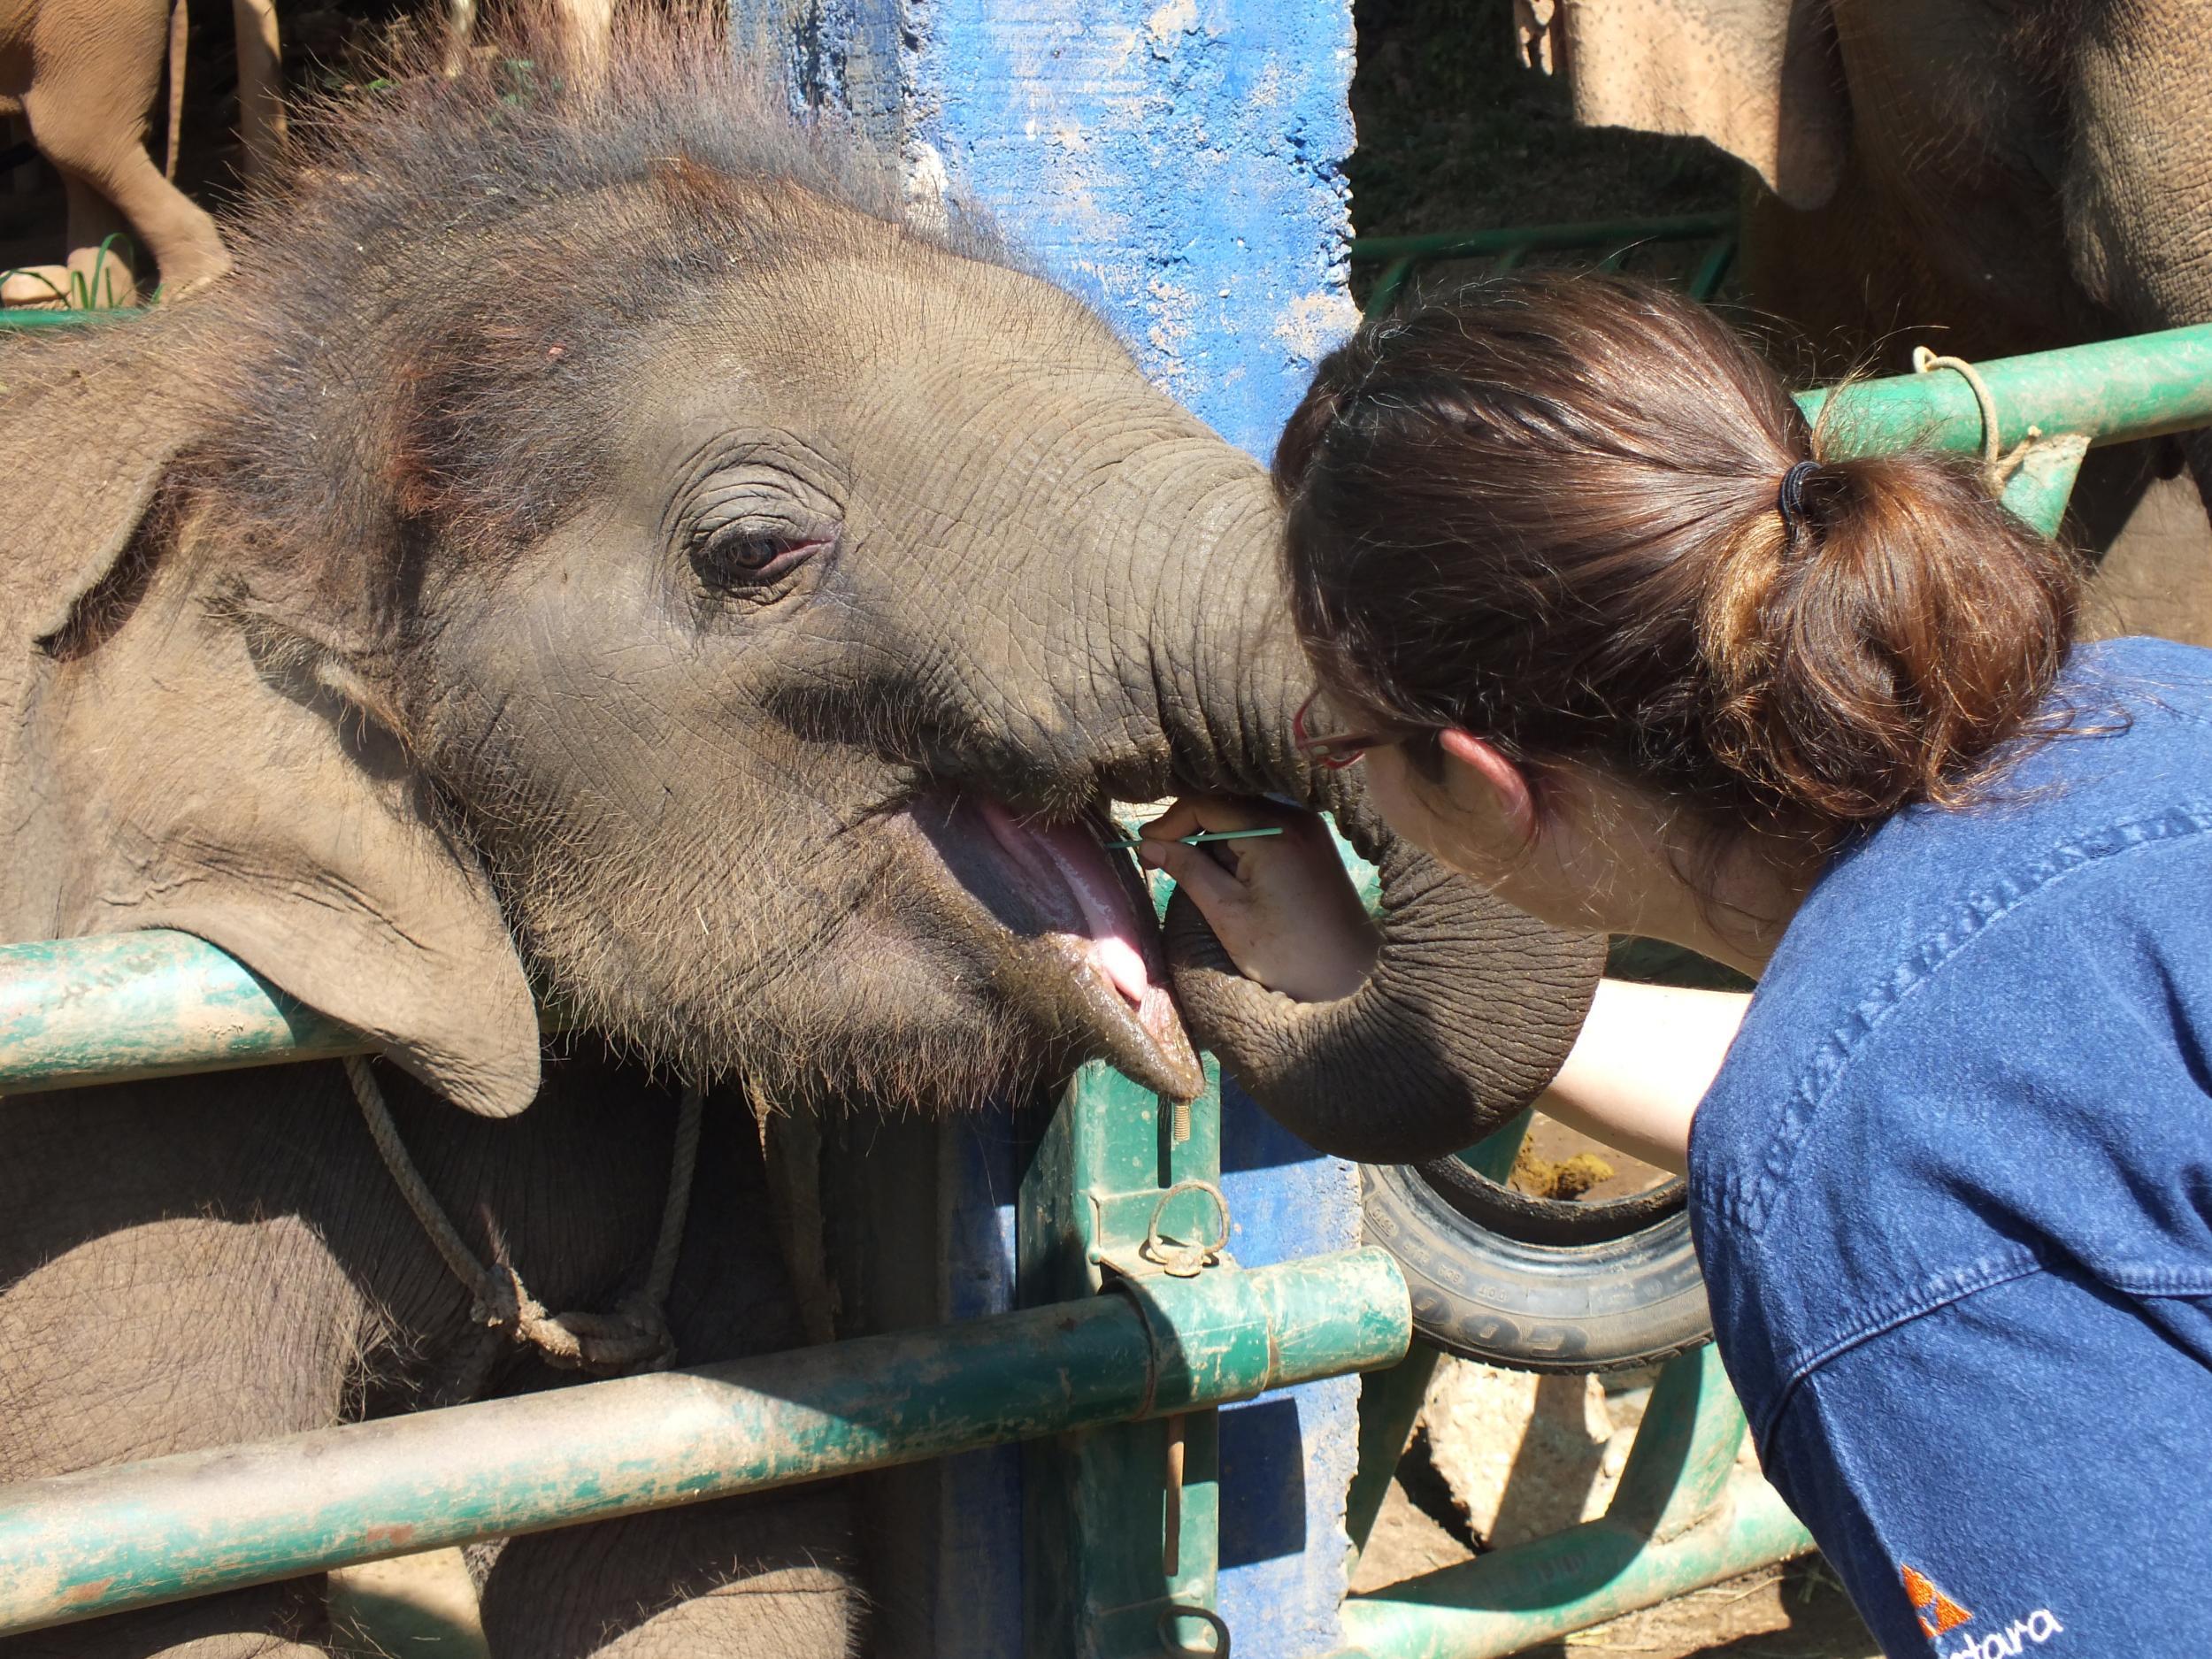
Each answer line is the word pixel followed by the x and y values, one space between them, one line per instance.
pixel 1335 750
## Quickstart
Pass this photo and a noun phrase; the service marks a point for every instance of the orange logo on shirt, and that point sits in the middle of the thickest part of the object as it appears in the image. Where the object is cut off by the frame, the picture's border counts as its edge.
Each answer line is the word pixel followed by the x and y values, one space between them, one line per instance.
pixel 1938 1612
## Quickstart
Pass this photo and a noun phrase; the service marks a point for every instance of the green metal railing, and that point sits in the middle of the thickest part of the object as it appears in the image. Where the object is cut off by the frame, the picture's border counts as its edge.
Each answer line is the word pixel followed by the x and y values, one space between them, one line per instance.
pixel 80 1546
pixel 1684 1516
pixel 1149 1352
pixel 79 1011
pixel 1504 250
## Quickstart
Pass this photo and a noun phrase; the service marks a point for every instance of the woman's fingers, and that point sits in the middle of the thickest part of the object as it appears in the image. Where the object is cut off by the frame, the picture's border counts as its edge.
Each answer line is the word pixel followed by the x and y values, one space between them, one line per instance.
pixel 1282 906
pixel 1214 888
pixel 1194 814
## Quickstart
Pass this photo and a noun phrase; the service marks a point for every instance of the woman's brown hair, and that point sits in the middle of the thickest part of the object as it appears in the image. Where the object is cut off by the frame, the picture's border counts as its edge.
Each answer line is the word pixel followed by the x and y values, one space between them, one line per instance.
pixel 1552 512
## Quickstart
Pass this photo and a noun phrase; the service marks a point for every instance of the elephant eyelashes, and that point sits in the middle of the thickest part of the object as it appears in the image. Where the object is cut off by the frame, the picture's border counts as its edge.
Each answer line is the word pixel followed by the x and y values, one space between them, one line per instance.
pixel 749 556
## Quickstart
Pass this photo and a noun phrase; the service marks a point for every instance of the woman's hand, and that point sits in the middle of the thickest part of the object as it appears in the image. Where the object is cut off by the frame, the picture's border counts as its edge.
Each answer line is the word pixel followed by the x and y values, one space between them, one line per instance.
pixel 1282 905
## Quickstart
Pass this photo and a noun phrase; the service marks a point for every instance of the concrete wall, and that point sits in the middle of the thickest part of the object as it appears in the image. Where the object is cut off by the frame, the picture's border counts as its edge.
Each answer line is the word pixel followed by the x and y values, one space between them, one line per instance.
pixel 1175 163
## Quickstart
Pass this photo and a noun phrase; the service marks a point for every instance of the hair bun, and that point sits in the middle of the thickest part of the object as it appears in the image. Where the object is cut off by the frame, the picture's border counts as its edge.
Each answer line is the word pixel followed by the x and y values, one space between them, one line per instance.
pixel 1881 659
pixel 1573 513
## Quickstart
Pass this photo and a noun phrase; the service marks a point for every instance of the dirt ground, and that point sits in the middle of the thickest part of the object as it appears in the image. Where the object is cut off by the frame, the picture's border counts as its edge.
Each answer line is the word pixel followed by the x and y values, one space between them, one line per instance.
pixel 1795 1611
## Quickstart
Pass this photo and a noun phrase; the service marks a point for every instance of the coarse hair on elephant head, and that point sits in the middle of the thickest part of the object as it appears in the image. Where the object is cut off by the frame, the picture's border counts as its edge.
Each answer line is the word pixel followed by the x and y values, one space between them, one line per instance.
pixel 596 538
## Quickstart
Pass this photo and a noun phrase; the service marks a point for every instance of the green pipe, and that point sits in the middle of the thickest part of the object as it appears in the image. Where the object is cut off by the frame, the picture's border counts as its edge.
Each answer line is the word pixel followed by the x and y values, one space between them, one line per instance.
pixel 78 1011
pixel 79 1546
pixel 1685 1453
pixel 2110 392
pixel 74 317
pixel 1389 286
pixel 117 1007
pixel 1497 1152
pixel 1513 1599
pixel 1706 280
pixel 2044 482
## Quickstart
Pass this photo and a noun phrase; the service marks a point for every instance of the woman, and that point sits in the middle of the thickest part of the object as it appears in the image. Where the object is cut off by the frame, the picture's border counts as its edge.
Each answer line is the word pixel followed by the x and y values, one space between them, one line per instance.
pixel 1613 640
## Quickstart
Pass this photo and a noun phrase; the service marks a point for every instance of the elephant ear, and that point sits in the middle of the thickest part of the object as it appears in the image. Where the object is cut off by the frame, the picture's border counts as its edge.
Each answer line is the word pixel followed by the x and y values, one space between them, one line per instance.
pixel 1760 79
pixel 171 756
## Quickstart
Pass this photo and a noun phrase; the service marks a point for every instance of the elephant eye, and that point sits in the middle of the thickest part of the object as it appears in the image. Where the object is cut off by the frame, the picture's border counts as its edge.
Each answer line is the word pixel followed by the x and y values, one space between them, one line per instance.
pixel 750 555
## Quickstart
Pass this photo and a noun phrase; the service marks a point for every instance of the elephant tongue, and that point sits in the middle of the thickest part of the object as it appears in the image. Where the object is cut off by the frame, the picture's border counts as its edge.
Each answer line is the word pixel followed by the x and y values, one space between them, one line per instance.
pixel 1109 925
pixel 1105 935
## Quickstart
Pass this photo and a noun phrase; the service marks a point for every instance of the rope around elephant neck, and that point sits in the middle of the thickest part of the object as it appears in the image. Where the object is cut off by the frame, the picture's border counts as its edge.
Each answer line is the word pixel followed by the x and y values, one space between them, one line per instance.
pixel 634 1336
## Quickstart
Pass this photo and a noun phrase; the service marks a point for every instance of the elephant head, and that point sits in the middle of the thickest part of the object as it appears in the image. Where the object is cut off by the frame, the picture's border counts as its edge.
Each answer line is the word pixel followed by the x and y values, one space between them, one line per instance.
pixel 595 541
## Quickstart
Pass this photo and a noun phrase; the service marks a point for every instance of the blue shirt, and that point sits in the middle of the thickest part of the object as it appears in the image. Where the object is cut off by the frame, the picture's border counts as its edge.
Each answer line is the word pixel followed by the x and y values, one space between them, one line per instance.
pixel 1951 1194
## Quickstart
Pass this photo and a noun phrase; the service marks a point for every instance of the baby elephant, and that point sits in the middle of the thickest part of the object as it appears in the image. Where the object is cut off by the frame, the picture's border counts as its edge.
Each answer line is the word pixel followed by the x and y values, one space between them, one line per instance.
pixel 596 545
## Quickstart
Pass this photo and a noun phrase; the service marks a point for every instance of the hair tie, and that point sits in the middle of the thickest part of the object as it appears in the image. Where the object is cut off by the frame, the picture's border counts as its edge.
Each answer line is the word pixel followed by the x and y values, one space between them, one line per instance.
pixel 1789 501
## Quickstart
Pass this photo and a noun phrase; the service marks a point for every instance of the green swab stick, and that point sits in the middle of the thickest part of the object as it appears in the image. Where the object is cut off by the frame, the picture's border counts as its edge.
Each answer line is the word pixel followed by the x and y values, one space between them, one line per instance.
pixel 1203 835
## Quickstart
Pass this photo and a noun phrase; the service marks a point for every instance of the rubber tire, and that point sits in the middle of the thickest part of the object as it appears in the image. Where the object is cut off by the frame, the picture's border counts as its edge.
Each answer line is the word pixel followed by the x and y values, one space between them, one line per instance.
pixel 1606 1305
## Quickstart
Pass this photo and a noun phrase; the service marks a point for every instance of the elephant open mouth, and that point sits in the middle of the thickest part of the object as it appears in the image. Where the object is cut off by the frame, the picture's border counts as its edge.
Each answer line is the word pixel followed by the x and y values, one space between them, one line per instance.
pixel 1078 942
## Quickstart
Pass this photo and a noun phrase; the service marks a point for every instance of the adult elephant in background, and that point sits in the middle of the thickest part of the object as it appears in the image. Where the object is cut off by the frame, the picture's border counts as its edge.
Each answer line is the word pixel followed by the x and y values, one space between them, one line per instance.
pixel 2017 174
pixel 593 544
pixel 82 75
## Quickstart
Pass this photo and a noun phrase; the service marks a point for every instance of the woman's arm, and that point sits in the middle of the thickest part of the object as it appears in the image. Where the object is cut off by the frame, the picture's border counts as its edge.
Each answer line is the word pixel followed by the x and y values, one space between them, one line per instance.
pixel 1645 1057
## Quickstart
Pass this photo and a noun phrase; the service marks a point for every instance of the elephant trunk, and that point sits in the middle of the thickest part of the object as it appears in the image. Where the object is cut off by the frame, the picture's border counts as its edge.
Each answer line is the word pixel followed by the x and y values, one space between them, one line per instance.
pixel 1472 1006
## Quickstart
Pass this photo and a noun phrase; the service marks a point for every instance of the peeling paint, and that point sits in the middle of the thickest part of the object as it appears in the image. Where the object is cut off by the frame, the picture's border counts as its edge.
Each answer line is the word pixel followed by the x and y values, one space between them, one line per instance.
pixel 1177 17
pixel 1313 325
pixel 1147 151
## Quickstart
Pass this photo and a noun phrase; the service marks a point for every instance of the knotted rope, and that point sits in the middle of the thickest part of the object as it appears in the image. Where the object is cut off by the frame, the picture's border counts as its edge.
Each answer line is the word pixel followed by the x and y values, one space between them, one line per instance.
pixel 633 1337
pixel 1997 469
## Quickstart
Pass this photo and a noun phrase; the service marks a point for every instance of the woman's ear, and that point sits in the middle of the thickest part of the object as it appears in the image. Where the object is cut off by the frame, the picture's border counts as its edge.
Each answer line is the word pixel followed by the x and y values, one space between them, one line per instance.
pixel 1505 783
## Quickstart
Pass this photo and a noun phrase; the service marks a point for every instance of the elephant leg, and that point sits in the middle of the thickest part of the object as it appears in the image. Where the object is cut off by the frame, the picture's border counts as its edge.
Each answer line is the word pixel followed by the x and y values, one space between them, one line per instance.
pixel 460 33
pixel 38 287
pixel 162 1335
pixel 769 1577
pixel 2137 191
pixel 104 160
pixel 277 1621
pixel 260 85
pixel 765 1578
pixel 588 27
pixel 2157 578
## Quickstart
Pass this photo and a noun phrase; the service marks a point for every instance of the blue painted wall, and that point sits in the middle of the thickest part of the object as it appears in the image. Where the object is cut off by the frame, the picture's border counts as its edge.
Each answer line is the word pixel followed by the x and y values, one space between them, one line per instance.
pixel 1175 162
